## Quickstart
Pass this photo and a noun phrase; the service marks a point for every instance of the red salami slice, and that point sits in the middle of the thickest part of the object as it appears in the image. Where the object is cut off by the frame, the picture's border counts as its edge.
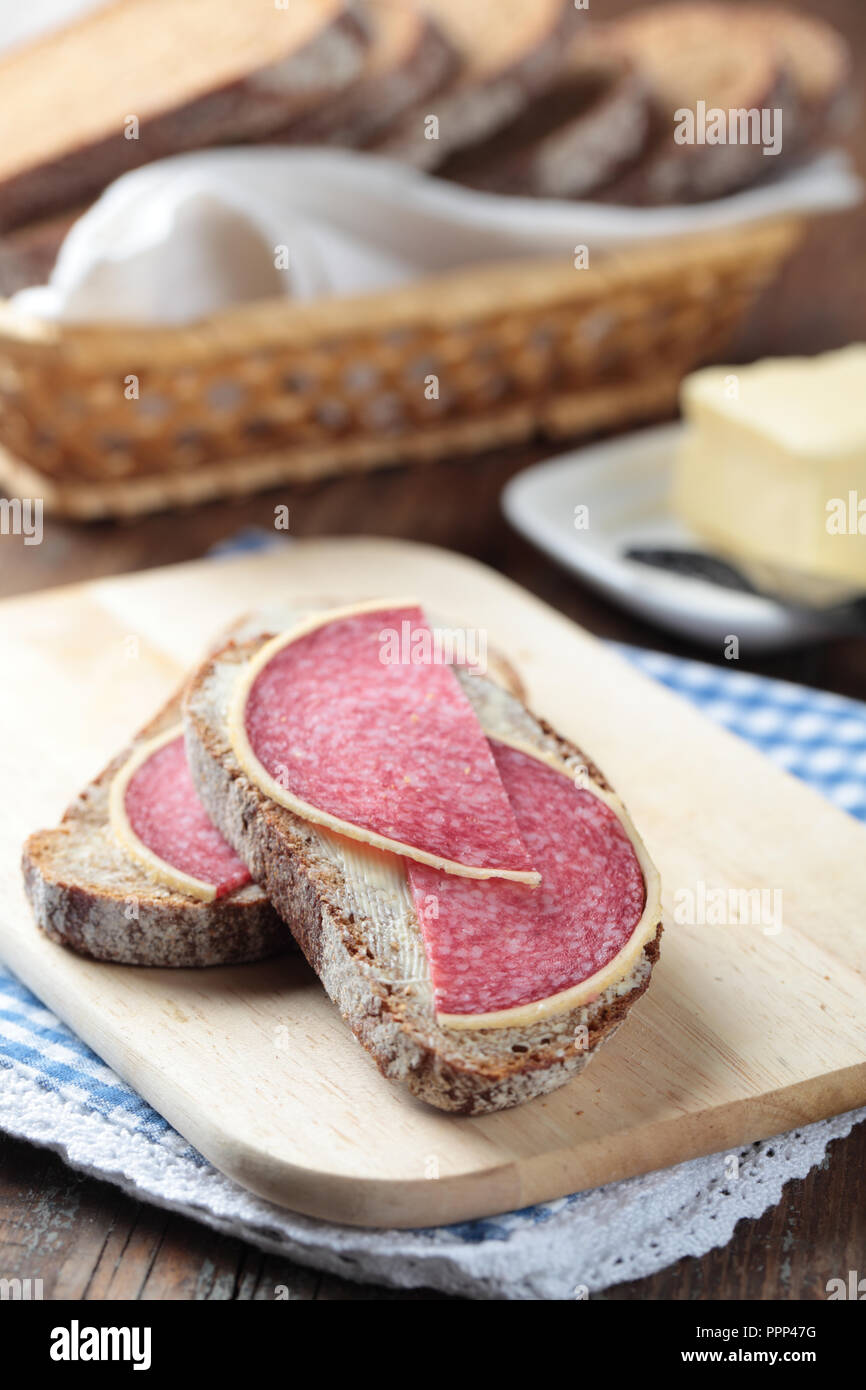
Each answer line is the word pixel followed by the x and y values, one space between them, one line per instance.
pixel 355 724
pixel 163 810
pixel 494 946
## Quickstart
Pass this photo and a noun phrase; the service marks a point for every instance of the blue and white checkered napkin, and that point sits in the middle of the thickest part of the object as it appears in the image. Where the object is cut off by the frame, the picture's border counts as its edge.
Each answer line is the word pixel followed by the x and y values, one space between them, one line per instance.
pixel 817 737
pixel 55 1091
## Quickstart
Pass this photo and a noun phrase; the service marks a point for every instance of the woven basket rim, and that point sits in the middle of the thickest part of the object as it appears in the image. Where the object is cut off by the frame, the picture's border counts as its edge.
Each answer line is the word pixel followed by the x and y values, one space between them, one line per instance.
pixel 448 299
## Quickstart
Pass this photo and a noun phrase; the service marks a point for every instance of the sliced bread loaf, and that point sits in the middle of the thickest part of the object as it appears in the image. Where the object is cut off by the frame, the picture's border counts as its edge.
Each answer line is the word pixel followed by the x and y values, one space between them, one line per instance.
pixel 87 892
pixel 359 930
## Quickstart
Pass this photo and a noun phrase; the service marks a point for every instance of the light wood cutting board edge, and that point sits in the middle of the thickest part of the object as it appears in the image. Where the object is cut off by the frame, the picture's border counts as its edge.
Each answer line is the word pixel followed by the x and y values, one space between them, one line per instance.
pixel 510 1187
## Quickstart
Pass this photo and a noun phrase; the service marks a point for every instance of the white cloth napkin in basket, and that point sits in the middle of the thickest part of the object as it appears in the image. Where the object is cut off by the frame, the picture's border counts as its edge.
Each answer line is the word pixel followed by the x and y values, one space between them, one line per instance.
pixel 196 233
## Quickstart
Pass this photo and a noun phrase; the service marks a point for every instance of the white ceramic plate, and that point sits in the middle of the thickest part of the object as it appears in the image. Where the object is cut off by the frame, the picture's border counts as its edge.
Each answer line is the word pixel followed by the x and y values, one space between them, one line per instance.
pixel 625 483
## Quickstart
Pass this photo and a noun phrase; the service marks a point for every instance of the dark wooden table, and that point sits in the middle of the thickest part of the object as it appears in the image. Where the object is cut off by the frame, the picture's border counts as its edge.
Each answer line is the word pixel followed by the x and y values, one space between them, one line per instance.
pixel 87 1240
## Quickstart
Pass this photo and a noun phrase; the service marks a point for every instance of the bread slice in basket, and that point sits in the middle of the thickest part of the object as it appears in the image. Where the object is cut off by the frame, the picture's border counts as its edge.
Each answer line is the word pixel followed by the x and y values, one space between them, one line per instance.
pixel 407 59
pixel 88 892
pixel 792 71
pixel 577 135
pixel 510 50
pixel 136 80
pixel 359 924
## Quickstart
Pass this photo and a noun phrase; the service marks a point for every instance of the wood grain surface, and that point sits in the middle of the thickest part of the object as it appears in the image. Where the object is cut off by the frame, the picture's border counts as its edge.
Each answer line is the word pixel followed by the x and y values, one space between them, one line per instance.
pixel 88 1240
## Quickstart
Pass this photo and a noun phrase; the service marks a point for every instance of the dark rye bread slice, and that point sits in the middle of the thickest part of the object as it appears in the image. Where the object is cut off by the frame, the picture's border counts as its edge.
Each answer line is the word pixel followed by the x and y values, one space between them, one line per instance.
pixel 510 51
pixel 701 52
pixel 192 73
pixel 89 894
pixel 408 57
pixel 388 1005
pixel 580 133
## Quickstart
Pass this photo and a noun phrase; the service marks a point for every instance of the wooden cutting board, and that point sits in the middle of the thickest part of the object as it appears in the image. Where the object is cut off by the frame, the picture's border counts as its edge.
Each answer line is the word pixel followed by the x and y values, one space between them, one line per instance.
pixel 741 1035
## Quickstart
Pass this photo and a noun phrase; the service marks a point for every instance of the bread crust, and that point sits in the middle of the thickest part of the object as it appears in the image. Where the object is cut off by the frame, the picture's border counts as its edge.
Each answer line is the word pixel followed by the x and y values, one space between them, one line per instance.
pixel 733 58
pixel 87 894
pixel 567 142
pixel 474 105
pixel 377 98
pixel 466 1072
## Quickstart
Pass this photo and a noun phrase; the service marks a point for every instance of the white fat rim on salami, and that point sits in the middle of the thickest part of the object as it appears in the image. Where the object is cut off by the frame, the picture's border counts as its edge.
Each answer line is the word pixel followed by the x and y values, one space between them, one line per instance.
pixel 259 775
pixel 123 832
pixel 620 965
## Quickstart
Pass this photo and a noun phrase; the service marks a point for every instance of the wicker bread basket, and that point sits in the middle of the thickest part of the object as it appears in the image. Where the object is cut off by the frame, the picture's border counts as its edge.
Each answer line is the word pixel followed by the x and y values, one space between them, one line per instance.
pixel 113 421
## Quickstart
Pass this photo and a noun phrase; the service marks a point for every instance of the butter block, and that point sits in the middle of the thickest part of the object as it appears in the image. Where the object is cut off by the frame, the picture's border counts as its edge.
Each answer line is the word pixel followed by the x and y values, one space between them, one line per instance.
pixel 772 467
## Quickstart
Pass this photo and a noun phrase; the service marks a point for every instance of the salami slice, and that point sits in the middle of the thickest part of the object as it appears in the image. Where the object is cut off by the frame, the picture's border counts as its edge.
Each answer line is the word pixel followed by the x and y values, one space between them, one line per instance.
pixel 352 722
pixel 157 815
pixel 504 953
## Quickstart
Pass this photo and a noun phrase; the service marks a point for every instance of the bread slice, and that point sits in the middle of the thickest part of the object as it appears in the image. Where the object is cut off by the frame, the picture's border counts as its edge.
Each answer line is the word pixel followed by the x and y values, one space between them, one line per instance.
pixel 89 894
pixel 819 61
pixel 408 57
pixel 190 73
pixel 381 986
pixel 701 52
pixel 510 50
pixel 579 134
